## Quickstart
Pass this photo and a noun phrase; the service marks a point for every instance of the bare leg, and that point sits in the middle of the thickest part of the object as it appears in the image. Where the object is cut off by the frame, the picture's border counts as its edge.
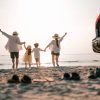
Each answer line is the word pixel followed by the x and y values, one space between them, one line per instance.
pixel 25 65
pixel 13 62
pixel 39 62
pixel 17 63
pixel 38 68
pixel 36 64
pixel 53 62
pixel 29 65
pixel 57 57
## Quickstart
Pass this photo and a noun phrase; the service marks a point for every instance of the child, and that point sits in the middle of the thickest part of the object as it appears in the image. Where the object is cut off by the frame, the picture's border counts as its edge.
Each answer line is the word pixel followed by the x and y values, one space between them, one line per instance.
pixel 36 51
pixel 28 56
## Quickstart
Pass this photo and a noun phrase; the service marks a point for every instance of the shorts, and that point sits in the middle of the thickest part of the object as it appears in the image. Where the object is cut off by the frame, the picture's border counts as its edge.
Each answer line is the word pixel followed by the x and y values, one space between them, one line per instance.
pixel 57 54
pixel 37 59
pixel 14 55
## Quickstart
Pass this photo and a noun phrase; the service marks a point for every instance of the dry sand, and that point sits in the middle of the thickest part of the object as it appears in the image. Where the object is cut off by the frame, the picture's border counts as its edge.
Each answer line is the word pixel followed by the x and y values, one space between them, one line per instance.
pixel 57 89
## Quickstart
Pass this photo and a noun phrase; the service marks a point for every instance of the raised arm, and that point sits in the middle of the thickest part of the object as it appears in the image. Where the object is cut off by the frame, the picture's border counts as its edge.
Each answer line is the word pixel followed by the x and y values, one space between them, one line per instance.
pixel 7 35
pixel 63 36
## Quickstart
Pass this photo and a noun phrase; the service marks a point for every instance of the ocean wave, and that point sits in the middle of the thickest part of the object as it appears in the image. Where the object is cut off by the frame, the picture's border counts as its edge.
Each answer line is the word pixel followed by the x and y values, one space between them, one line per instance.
pixel 96 60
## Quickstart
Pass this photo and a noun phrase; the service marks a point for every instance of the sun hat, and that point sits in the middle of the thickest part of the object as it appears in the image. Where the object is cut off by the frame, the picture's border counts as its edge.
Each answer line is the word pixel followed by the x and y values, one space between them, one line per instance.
pixel 56 36
pixel 36 44
pixel 15 33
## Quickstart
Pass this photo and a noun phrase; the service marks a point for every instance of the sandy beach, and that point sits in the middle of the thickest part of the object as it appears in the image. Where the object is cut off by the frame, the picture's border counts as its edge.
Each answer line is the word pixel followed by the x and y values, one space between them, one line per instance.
pixel 55 89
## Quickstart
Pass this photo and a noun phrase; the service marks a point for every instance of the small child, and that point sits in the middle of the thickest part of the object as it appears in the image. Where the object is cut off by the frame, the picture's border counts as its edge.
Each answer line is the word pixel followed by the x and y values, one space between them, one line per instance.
pixel 36 51
pixel 27 56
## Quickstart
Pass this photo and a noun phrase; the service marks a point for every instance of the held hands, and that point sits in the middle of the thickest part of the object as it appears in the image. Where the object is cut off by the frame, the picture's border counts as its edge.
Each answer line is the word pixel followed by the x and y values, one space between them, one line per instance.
pixel 24 43
pixel 45 49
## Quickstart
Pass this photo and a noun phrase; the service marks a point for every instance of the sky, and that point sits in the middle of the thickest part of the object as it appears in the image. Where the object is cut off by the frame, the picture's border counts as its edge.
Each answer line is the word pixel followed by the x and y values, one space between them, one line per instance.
pixel 39 20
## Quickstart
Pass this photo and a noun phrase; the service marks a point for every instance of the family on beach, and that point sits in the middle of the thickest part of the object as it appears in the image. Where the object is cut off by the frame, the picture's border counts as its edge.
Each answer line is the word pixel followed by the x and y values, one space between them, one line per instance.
pixel 14 46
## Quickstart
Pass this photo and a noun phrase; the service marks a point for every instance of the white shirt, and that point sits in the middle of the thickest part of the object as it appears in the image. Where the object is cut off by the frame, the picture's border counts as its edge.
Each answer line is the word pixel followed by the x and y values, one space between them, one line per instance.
pixel 13 44
pixel 36 52
pixel 53 46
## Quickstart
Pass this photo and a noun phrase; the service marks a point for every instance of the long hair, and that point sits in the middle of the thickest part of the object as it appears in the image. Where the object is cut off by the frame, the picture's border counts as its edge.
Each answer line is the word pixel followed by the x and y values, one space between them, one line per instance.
pixel 57 43
pixel 29 51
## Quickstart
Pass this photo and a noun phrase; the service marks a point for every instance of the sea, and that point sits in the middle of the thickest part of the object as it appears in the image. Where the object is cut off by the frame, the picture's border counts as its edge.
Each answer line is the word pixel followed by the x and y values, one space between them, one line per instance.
pixel 66 60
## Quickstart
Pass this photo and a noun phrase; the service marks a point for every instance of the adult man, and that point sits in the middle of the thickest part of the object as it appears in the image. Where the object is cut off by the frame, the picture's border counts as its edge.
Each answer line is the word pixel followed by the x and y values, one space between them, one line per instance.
pixel 13 46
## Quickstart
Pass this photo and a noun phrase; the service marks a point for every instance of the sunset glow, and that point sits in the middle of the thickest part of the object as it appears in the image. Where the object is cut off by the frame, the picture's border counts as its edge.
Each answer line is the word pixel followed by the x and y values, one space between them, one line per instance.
pixel 38 20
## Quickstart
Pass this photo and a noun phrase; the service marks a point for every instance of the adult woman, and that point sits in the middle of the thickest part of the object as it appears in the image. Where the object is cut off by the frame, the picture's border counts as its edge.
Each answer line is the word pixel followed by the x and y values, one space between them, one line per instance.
pixel 54 46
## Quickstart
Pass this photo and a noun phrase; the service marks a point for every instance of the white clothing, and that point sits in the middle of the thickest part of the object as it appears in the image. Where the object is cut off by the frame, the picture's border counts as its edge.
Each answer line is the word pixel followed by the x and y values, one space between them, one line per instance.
pixel 13 44
pixel 53 46
pixel 36 52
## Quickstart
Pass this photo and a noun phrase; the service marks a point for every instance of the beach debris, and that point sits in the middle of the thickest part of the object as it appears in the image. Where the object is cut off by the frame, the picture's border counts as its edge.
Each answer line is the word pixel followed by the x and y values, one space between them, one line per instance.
pixel 26 79
pixel 98 72
pixel 66 76
pixel 39 80
pixel 45 79
pixel 14 79
pixel 50 79
pixel 75 76
pixel 94 73
pixel 93 76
